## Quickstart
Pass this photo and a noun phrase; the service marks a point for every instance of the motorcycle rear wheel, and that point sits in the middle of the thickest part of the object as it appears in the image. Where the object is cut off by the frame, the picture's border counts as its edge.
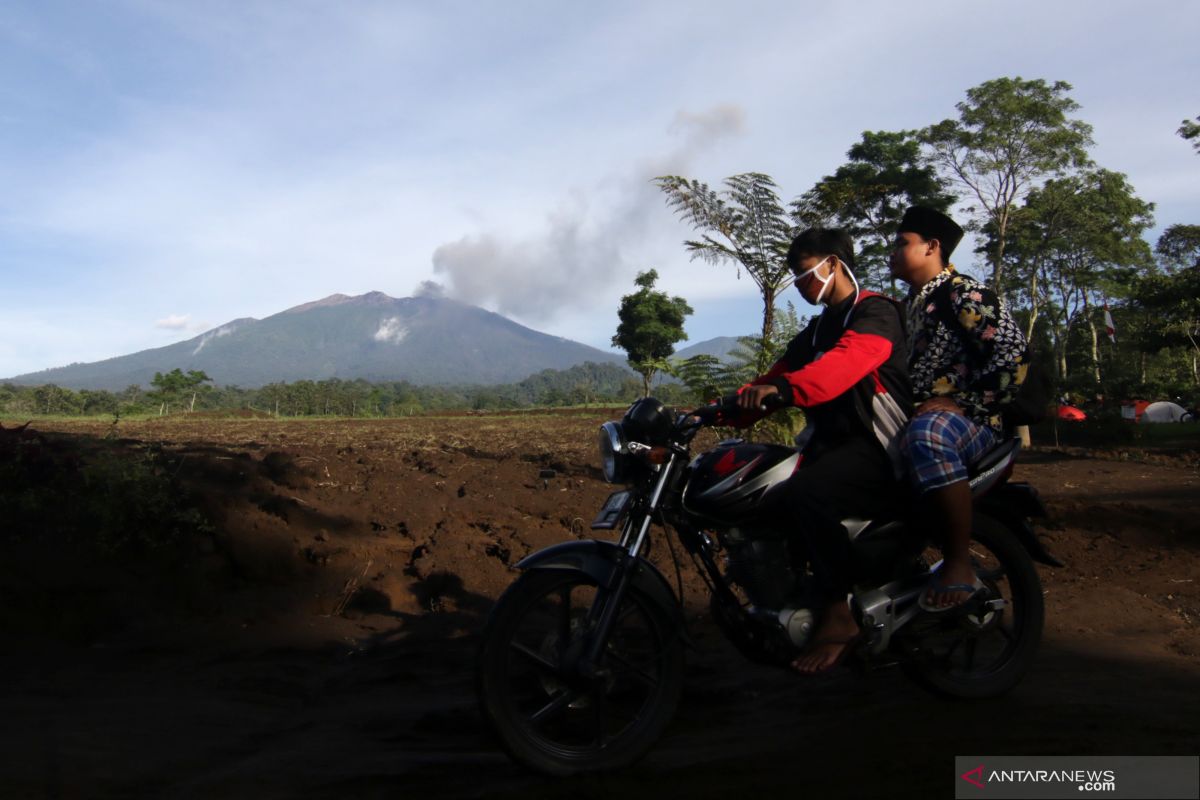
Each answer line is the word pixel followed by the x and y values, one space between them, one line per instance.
pixel 561 723
pixel 980 653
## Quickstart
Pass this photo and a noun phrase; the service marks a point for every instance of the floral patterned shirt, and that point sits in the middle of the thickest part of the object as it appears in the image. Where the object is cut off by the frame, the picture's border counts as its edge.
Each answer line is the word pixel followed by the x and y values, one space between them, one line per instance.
pixel 978 363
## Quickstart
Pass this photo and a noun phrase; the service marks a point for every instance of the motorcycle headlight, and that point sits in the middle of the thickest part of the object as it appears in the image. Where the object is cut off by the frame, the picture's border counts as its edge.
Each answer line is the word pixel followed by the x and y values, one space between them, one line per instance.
pixel 614 455
pixel 648 421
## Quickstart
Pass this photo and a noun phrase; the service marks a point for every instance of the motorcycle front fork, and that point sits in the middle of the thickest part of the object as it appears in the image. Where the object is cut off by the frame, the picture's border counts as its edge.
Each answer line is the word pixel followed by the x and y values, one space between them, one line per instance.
pixel 607 604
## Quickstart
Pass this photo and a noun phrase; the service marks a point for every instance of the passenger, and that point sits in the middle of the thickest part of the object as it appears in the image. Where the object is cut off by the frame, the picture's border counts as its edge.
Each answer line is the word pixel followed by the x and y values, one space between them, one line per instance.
pixel 965 362
pixel 848 371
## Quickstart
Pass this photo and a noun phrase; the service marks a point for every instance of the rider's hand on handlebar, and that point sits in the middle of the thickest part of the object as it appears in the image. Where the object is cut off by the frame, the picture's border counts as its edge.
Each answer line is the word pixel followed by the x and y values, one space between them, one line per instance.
pixel 715 413
pixel 759 397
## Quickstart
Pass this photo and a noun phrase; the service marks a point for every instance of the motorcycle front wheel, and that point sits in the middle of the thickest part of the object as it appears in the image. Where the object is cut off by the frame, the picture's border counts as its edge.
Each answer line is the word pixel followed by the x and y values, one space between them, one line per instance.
pixel 549 713
pixel 986 649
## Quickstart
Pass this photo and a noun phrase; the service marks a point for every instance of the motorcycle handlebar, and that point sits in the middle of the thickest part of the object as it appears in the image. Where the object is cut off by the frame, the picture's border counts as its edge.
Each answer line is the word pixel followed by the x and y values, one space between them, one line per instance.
pixel 727 407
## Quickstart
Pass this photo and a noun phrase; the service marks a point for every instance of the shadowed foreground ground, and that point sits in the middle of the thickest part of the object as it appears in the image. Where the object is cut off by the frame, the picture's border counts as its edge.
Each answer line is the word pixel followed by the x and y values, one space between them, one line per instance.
pixel 317 640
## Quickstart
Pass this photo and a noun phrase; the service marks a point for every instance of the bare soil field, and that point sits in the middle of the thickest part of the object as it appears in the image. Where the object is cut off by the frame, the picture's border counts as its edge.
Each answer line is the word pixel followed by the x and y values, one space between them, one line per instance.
pixel 315 637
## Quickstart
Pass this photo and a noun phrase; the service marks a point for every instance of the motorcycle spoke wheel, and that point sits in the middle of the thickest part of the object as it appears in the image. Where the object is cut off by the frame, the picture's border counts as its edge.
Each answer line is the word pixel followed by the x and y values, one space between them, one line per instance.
pixel 555 715
pixel 984 649
pixel 964 644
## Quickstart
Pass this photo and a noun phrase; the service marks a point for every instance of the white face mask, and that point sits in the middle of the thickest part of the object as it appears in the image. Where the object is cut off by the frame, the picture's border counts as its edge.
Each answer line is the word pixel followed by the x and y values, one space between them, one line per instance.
pixel 825 282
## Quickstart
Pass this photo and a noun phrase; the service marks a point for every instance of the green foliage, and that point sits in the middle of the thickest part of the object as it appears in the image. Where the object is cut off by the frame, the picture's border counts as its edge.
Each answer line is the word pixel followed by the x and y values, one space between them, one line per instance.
pixel 745 223
pixel 1009 133
pixel 708 378
pixel 1190 129
pixel 129 502
pixel 93 496
pixel 886 173
pixel 1179 247
pixel 581 384
pixel 1172 299
pixel 1074 244
pixel 176 386
pixel 651 324
pixel 704 375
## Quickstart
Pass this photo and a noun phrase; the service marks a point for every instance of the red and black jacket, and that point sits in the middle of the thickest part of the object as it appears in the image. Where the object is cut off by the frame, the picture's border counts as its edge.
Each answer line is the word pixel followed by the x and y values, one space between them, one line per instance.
pixel 841 372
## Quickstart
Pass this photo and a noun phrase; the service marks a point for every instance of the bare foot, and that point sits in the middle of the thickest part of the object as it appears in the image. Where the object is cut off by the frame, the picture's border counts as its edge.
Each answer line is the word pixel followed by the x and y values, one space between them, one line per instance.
pixel 833 637
pixel 952 571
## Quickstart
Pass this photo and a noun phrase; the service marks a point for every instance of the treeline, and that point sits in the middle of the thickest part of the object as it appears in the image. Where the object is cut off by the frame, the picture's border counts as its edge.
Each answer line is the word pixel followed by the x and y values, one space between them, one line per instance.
pixel 578 385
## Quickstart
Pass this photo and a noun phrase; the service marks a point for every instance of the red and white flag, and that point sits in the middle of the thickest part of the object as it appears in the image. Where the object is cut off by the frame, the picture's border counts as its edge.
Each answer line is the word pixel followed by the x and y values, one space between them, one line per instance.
pixel 1109 328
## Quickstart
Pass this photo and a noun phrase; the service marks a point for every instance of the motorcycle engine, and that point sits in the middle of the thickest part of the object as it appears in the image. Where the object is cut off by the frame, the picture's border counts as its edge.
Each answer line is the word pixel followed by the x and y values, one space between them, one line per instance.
pixel 760 562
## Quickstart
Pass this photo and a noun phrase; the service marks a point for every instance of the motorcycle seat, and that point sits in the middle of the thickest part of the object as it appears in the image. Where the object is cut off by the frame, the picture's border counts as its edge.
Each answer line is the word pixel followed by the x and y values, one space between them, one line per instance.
pixel 986 472
pixel 993 465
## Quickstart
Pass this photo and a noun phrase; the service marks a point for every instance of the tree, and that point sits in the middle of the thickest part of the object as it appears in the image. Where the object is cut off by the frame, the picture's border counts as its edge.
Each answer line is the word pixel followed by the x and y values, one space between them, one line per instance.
pixel 97 402
pixel 52 399
pixel 1191 130
pixel 1076 241
pixel 745 223
pixel 651 324
pixel 1009 134
pixel 1174 297
pixel 886 173
pixel 1179 247
pixel 193 385
pixel 175 385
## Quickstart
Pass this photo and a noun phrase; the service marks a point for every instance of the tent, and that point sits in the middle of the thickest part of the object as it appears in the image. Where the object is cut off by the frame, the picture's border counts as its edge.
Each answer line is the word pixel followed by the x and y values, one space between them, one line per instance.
pixel 1132 409
pixel 1163 411
pixel 1071 414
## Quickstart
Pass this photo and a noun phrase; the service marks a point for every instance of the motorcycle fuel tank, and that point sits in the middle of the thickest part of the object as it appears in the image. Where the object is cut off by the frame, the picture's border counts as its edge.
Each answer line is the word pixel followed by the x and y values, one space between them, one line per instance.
pixel 727 484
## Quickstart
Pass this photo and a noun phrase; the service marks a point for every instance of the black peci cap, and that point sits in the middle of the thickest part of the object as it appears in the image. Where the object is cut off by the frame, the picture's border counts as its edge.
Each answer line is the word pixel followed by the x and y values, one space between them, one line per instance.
pixel 932 224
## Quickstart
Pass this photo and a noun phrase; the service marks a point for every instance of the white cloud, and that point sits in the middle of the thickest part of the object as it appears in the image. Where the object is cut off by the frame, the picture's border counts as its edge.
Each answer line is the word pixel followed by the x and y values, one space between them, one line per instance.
pixel 173 322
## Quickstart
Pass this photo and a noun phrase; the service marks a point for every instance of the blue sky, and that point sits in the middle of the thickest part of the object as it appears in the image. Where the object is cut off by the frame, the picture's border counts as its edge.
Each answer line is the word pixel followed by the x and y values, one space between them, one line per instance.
pixel 170 166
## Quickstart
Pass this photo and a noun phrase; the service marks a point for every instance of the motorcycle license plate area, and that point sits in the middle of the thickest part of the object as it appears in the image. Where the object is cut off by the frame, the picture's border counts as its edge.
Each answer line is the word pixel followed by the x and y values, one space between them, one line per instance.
pixel 612 511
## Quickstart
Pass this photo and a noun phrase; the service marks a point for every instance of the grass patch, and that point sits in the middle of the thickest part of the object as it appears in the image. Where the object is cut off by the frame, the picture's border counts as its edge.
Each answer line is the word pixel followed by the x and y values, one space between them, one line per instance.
pixel 90 494
pixel 1119 433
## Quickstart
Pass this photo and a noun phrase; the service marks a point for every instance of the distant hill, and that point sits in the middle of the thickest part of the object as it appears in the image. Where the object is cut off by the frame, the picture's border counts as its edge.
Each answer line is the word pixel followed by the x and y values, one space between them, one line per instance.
pixel 718 347
pixel 423 340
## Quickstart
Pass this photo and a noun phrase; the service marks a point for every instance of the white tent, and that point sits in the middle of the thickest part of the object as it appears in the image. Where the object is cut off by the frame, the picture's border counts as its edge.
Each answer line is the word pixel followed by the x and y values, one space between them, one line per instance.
pixel 1163 411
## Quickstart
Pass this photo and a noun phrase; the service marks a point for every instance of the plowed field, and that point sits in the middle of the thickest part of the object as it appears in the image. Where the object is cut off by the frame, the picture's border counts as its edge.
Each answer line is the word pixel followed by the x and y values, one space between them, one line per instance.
pixel 316 638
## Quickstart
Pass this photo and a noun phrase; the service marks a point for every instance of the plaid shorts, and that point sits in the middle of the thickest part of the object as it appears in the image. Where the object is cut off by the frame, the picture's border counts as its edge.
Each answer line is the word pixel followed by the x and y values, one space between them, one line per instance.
pixel 940 446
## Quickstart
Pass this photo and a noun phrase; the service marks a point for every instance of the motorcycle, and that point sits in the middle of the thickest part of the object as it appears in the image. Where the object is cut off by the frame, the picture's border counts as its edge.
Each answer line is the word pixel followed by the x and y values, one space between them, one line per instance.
pixel 581 663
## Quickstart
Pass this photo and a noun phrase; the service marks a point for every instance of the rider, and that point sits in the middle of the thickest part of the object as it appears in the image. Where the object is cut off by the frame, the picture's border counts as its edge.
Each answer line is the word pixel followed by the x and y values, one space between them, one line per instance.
pixel 848 371
pixel 965 359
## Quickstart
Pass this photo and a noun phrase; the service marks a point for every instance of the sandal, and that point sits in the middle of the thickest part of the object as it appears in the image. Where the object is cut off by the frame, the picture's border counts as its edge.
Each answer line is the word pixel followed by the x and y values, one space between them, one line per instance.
pixel 935 586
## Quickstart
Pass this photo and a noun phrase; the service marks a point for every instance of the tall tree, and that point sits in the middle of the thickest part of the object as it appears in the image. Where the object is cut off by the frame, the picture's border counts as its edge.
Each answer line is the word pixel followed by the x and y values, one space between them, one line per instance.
pixel 175 385
pixel 651 324
pixel 1191 130
pixel 1174 296
pixel 1009 134
pixel 744 223
pixel 1077 241
pixel 886 173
